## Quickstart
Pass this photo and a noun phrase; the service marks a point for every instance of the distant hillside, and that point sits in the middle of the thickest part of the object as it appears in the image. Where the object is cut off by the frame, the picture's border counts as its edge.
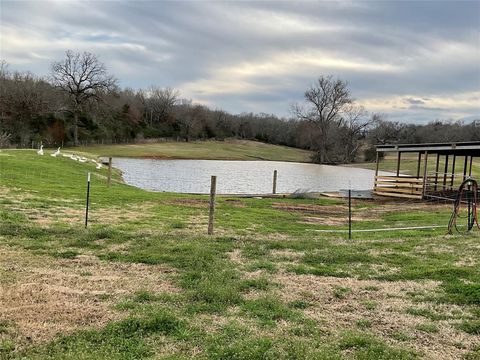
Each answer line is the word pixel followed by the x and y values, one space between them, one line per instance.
pixel 211 150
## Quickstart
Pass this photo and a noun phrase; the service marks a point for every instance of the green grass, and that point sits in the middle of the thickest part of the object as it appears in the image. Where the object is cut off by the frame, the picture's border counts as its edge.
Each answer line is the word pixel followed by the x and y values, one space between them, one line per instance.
pixel 211 150
pixel 428 328
pixel 119 340
pixel 231 301
pixel 427 313
pixel 366 346
pixel 470 327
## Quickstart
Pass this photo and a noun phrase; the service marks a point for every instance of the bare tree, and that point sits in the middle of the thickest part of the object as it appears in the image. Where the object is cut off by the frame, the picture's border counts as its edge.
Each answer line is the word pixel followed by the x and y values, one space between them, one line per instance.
pixel 5 139
pixel 355 120
pixel 190 119
pixel 84 79
pixel 159 103
pixel 384 131
pixel 325 102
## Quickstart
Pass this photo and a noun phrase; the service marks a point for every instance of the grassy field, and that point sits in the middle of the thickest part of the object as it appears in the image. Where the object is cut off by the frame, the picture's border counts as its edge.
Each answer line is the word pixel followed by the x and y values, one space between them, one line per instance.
pixel 144 281
pixel 210 150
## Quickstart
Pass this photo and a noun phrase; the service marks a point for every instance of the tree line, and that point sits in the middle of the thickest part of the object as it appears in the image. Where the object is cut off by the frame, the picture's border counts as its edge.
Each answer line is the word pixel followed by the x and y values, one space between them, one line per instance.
pixel 80 102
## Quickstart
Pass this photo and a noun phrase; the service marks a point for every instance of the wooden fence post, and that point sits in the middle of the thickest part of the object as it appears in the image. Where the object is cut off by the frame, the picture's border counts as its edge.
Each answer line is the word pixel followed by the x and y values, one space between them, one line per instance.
pixel 109 179
pixel 274 181
pixel 211 214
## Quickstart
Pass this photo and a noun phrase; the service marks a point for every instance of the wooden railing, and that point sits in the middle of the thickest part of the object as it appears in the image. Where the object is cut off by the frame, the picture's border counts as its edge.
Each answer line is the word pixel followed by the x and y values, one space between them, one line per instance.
pixel 399 186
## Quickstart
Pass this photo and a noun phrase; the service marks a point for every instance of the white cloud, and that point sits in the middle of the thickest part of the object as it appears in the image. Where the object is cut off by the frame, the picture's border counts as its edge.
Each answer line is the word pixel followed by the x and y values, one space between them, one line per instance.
pixel 261 56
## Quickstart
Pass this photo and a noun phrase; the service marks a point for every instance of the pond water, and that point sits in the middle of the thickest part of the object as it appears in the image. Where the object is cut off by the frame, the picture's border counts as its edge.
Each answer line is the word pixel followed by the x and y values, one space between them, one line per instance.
pixel 239 177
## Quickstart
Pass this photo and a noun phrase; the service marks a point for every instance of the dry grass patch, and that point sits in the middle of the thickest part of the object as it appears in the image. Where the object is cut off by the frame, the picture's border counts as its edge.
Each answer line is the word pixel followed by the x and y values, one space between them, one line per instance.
pixel 337 220
pixel 198 225
pixel 236 257
pixel 311 208
pixel 235 203
pixel 47 296
pixel 192 203
pixel 342 303
pixel 76 215
pixel 287 255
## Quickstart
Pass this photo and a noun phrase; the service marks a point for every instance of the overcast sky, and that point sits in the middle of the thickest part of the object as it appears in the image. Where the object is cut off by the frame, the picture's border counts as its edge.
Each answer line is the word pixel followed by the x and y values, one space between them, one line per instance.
pixel 414 61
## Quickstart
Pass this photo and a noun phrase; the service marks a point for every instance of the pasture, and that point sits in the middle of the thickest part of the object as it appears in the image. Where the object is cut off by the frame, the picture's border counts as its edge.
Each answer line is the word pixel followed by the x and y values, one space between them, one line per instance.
pixel 230 149
pixel 143 280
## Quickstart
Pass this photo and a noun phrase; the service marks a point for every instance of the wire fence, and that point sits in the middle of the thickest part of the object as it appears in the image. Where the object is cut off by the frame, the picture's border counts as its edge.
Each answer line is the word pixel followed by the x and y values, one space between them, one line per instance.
pixel 52 200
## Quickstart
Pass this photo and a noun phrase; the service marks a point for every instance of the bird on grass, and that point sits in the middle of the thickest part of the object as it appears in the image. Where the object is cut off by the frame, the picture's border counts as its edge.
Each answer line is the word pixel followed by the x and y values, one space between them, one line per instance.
pixel 40 152
pixel 82 159
pixel 56 153
pixel 99 165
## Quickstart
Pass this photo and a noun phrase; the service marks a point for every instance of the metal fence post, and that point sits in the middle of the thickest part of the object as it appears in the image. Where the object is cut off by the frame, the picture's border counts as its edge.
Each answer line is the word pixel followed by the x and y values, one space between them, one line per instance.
pixel 88 199
pixel 349 214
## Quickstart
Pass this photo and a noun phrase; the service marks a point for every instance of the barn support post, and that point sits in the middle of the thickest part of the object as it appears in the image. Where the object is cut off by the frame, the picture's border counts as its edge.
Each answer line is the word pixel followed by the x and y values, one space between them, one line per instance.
pixel 436 171
pixel 445 173
pixel 425 163
pixel 453 171
pixel 399 156
pixel 470 167
pixel 465 168
pixel 376 172
pixel 418 164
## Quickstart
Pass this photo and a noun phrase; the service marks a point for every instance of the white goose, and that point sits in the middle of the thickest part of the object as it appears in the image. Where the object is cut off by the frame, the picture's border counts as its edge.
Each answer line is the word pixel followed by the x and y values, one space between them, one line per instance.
pixel 56 153
pixel 82 159
pixel 98 165
pixel 40 152
pixel 74 157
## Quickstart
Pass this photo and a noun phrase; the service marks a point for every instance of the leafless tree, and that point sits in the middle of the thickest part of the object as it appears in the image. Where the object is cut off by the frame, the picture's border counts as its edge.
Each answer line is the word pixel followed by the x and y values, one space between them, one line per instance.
pixel 191 119
pixel 384 131
pixel 5 139
pixel 84 79
pixel 325 101
pixel 355 120
pixel 159 103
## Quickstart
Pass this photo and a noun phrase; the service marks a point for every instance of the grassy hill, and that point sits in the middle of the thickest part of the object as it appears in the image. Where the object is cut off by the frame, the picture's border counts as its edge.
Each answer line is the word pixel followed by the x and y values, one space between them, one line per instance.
pixel 210 150
pixel 144 281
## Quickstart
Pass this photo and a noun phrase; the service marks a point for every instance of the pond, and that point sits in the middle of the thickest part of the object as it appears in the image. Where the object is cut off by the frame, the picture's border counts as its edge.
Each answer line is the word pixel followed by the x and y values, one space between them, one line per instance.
pixel 239 177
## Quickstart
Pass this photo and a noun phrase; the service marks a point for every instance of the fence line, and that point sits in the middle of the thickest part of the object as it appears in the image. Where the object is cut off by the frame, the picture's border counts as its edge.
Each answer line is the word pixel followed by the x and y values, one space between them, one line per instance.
pixel 318 214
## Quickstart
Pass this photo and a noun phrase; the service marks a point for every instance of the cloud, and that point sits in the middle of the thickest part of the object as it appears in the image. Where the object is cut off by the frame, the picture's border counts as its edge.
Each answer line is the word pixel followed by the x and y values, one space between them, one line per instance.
pixel 414 101
pixel 414 61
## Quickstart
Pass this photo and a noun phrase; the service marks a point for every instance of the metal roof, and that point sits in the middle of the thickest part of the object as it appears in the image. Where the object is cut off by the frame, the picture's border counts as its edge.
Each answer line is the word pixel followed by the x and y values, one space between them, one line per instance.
pixel 471 148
